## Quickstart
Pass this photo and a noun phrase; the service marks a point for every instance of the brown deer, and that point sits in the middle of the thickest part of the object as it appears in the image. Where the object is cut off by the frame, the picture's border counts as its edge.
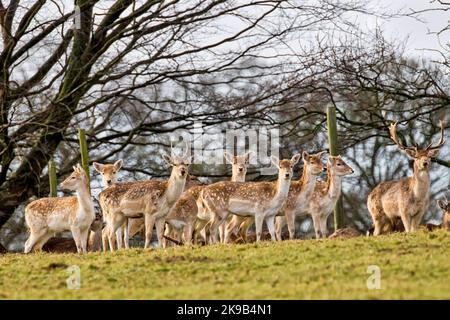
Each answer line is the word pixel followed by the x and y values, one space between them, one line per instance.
pixel 184 212
pixel 327 193
pixel 47 216
pixel 262 200
pixel 151 199
pixel 407 198
pixel 444 204
pixel 300 193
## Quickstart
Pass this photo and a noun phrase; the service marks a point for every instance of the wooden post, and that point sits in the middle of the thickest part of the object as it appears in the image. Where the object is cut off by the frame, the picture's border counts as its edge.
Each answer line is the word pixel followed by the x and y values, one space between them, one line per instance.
pixel 52 178
pixel 84 154
pixel 333 144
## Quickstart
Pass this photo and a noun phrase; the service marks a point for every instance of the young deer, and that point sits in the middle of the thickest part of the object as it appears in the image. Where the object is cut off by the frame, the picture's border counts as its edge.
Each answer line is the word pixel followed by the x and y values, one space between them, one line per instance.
pixel 326 194
pixel 109 174
pixel 151 199
pixel 407 198
pixel 445 206
pixel 262 200
pixel 300 193
pixel 46 216
pixel 184 213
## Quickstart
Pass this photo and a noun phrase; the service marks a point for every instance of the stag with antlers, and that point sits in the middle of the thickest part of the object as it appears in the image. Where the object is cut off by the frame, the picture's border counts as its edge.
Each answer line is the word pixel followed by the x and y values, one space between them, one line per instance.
pixel 407 198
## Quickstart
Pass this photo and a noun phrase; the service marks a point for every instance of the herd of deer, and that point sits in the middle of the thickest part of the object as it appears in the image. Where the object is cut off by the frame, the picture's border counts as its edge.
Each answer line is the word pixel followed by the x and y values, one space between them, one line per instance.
pixel 181 209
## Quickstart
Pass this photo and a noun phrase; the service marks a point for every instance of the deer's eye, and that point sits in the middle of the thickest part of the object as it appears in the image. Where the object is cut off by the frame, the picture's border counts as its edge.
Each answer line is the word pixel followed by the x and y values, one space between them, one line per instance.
pixel 338 164
pixel 73 177
pixel 114 172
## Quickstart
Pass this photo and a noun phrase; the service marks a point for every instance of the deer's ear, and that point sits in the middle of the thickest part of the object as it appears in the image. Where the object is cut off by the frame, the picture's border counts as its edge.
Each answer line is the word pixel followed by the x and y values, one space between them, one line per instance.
pixel 433 153
pixel 295 159
pixel 118 164
pixel 305 155
pixel 167 159
pixel 441 204
pixel 247 157
pixel 228 157
pixel 98 167
pixel 275 161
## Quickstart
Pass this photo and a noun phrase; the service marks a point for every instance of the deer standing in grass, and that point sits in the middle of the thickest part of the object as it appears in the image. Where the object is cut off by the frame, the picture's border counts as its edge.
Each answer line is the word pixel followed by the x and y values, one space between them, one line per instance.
pixel 326 194
pixel 407 198
pixel 300 193
pixel 46 216
pixel 261 200
pixel 109 173
pixel 151 199
pixel 184 212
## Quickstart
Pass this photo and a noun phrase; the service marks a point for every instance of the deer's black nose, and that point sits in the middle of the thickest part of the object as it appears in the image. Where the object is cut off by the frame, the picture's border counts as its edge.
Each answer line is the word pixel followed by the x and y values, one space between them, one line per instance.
pixel 426 163
pixel 108 181
pixel 241 169
pixel 183 172
pixel 287 175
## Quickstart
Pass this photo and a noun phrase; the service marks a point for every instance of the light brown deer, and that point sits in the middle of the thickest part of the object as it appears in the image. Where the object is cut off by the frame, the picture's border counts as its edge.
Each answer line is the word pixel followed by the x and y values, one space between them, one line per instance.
pixel 151 199
pixel 407 198
pixel 300 193
pixel 109 173
pixel 262 200
pixel 445 206
pixel 327 193
pixel 184 212
pixel 46 216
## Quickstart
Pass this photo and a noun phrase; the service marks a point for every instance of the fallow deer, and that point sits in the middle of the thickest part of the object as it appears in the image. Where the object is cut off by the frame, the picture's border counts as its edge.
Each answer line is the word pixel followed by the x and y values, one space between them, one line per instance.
pixel 184 212
pixel 445 206
pixel 327 193
pixel 407 198
pixel 109 173
pixel 300 193
pixel 261 200
pixel 46 216
pixel 151 199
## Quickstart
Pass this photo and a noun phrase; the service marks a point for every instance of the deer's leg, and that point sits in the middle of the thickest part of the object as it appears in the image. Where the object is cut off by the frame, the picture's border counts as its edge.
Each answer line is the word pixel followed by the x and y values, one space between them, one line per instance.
pixel 222 230
pixel 316 223
pixel 160 222
pixel 188 233
pixel 33 239
pixel 290 219
pixel 270 222
pixel 126 234
pixel 280 221
pixel 76 233
pixel 216 221
pixel 119 238
pixel 230 227
pixel 84 233
pixel 324 226
pixel 243 228
pixel 406 219
pixel 40 243
pixel 149 223
pixel 258 225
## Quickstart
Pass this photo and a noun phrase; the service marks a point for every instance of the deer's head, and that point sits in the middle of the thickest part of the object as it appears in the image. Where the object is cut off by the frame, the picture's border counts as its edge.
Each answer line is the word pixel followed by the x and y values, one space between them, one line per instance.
pixel 313 162
pixel 239 164
pixel 336 166
pixel 444 204
pixel 108 172
pixel 285 166
pixel 421 157
pixel 180 165
pixel 76 180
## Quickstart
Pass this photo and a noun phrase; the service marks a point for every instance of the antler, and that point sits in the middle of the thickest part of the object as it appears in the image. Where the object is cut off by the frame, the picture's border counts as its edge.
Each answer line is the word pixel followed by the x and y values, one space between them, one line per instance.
pixel 441 141
pixel 394 137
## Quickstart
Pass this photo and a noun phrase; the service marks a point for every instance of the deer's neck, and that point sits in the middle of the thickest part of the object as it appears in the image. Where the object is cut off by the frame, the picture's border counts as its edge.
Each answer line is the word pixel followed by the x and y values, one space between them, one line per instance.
pixel 307 183
pixel 334 185
pixel 85 200
pixel 237 178
pixel 421 183
pixel 282 188
pixel 175 187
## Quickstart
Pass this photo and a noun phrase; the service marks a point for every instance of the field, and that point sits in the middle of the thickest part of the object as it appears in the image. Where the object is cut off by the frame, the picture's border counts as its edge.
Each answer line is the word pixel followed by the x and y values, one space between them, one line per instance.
pixel 414 266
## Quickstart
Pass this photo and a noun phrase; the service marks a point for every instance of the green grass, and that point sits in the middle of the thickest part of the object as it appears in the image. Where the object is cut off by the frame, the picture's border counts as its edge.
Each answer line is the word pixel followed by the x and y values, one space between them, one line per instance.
pixel 414 266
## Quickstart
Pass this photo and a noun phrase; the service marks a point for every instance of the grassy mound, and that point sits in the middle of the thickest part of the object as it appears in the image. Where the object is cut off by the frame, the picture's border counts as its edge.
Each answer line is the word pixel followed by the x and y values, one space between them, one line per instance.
pixel 413 266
